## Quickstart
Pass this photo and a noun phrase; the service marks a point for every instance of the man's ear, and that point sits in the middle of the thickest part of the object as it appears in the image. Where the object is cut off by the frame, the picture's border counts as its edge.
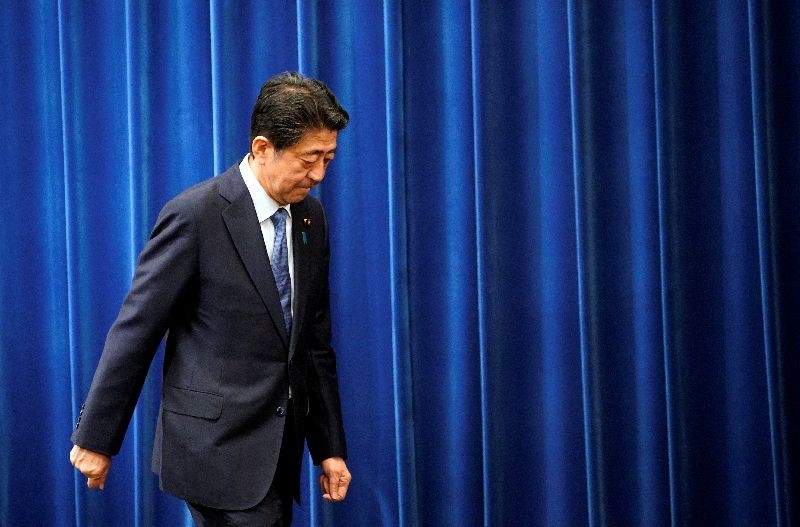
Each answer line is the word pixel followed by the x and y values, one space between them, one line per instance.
pixel 262 148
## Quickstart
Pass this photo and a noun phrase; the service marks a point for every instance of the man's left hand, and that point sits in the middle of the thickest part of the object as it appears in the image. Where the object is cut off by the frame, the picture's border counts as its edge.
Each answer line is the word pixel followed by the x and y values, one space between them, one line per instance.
pixel 335 479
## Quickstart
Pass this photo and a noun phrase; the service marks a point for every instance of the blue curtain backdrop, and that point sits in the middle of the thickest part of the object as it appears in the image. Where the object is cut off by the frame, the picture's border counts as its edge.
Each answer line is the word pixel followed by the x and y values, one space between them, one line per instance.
pixel 565 235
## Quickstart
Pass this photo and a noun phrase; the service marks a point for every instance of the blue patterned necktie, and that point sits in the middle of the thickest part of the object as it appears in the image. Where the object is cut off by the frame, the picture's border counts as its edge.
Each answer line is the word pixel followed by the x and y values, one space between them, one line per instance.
pixel 280 266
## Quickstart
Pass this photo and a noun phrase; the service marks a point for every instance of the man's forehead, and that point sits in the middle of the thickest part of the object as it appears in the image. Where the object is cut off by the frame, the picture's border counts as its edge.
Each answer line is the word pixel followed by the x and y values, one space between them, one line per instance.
pixel 317 141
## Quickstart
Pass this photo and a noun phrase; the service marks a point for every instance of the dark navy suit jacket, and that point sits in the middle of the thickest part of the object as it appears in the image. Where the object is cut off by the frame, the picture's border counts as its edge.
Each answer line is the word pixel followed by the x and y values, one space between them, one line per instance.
pixel 205 280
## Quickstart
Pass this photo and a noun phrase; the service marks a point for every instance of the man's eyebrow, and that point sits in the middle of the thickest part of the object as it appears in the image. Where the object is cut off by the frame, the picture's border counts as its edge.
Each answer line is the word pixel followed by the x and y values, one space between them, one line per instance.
pixel 318 152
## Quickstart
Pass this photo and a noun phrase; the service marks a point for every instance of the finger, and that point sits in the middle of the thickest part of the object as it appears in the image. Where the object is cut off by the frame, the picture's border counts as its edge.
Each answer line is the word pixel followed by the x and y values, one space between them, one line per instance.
pixel 91 472
pixel 344 485
pixel 323 483
pixel 92 469
pixel 95 483
pixel 335 484
pixel 328 497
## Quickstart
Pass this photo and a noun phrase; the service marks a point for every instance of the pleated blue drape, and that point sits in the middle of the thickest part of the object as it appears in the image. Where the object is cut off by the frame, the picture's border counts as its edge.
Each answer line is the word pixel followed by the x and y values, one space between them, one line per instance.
pixel 565 242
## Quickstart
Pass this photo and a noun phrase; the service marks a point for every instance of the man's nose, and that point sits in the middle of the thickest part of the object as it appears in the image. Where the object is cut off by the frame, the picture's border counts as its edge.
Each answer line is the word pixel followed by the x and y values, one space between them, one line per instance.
pixel 317 172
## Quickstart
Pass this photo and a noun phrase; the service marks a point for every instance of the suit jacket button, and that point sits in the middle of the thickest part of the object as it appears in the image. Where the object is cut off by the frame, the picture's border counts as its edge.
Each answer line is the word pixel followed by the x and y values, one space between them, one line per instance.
pixel 280 411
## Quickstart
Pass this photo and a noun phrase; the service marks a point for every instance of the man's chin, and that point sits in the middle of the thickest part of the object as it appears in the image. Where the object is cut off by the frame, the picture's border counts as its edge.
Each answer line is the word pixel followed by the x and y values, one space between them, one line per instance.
pixel 299 194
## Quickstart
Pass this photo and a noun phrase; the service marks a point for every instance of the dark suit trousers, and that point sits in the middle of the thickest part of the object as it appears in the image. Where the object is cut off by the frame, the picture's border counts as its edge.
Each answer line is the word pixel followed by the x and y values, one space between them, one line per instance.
pixel 276 507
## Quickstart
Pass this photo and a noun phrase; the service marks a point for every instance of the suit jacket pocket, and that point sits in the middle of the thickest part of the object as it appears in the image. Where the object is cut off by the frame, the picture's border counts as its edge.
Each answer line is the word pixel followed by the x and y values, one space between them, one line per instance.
pixel 192 403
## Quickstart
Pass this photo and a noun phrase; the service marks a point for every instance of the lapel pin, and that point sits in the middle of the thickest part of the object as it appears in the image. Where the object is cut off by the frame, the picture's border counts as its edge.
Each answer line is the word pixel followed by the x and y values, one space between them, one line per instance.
pixel 307 222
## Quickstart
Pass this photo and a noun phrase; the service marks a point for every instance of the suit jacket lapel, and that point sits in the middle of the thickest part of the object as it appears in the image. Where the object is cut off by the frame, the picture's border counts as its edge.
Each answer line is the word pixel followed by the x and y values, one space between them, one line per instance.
pixel 242 223
pixel 300 256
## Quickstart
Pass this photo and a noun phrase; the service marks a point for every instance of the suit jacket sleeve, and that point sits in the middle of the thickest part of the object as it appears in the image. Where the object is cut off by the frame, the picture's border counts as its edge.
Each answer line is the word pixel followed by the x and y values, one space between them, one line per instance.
pixel 166 266
pixel 325 434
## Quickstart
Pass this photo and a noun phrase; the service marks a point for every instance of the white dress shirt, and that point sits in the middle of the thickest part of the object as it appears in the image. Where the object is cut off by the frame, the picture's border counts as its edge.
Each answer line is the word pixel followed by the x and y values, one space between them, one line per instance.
pixel 265 208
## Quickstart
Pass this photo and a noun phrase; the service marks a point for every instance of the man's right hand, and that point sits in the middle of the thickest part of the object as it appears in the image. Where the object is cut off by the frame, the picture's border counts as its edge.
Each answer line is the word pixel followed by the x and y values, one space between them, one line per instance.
pixel 93 465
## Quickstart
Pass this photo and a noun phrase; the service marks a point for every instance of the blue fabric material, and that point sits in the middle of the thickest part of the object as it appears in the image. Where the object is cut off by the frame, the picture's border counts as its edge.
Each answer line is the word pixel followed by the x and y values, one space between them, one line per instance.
pixel 565 272
pixel 280 266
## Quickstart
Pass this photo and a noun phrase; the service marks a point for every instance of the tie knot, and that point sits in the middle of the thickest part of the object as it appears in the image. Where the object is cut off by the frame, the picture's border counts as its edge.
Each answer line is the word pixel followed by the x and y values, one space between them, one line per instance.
pixel 279 218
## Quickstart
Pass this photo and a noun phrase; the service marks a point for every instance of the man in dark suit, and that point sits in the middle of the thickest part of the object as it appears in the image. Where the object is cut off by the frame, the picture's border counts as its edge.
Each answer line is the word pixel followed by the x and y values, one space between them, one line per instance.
pixel 236 274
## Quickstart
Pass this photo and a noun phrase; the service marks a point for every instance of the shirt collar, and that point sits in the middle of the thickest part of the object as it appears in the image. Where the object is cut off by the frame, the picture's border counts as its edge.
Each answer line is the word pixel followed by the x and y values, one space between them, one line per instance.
pixel 263 202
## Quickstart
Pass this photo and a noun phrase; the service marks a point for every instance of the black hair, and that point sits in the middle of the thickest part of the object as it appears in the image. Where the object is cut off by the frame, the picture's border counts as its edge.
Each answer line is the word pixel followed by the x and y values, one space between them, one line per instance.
pixel 291 104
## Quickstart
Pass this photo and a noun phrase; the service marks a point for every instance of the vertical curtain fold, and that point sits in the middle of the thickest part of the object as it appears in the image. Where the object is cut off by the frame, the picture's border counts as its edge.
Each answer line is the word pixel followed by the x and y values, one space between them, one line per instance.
pixel 480 256
pixel 661 137
pixel 442 269
pixel 585 377
pixel 775 123
pixel 405 456
pixel 756 33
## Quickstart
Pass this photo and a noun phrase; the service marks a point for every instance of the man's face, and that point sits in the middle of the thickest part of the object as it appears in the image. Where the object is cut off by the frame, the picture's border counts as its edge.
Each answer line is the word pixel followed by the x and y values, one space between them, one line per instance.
pixel 290 174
